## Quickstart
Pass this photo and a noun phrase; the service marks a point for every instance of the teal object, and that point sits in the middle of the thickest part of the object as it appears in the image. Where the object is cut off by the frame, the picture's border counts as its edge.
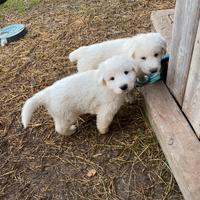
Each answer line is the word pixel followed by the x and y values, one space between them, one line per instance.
pixel 12 32
pixel 154 77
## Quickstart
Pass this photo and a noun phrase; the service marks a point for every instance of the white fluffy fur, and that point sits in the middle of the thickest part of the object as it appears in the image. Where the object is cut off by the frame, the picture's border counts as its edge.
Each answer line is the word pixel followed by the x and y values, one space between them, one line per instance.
pixel 141 46
pixel 92 92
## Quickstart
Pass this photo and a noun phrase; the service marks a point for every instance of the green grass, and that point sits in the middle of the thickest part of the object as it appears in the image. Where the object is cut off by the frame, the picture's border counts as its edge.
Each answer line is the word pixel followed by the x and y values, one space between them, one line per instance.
pixel 18 5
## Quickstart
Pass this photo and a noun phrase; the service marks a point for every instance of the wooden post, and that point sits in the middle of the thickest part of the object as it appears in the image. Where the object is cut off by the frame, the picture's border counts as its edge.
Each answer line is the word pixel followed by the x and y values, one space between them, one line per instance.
pixel 191 103
pixel 187 15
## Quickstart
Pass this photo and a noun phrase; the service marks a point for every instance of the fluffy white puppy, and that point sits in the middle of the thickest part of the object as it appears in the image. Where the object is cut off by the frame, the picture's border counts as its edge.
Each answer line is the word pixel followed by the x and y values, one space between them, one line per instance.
pixel 100 92
pixel 147 50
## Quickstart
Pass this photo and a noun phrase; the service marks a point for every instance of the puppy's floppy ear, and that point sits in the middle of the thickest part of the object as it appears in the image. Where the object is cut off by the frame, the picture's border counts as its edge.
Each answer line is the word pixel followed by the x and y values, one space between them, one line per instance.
pixel 162 43
pixel 102 80
pixel 164 46
pixel 100 75
pixel 135 67
pixel 133 55
pixel 131 51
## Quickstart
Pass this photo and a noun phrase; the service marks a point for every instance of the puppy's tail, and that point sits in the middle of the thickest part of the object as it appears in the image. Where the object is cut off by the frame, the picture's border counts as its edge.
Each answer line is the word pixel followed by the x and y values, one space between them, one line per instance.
pixel 76 54
pixel 30 106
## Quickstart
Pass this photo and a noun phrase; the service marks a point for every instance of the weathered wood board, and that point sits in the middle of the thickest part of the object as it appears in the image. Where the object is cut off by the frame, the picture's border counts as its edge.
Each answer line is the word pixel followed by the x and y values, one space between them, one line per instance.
pixel 163 22
pixel 186 21
pixel 177 139
pixel 191 103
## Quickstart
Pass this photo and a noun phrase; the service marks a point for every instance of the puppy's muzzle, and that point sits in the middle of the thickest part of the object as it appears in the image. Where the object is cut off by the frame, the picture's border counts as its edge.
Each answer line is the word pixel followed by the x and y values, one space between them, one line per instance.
pixel 124 87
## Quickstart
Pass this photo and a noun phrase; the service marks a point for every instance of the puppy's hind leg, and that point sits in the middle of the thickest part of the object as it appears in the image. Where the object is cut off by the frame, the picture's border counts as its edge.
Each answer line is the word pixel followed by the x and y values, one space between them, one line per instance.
pixel 64 126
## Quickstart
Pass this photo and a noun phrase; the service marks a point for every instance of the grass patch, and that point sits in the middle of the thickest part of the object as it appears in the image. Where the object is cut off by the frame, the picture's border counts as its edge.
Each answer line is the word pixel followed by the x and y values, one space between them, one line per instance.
pixel 18 5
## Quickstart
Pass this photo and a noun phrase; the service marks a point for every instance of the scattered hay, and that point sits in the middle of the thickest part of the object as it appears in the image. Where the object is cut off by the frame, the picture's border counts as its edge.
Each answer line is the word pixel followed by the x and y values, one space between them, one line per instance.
pixel 37 163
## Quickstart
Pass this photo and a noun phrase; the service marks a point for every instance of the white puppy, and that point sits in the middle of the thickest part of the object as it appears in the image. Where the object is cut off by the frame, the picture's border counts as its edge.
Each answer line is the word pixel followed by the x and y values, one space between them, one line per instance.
pixel 100 92
pixel 147 50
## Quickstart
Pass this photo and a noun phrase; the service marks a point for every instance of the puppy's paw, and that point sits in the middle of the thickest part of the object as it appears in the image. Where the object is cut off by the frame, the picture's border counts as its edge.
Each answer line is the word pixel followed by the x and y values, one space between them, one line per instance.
pixel 67 132
pixel 103 130
pixel 73 128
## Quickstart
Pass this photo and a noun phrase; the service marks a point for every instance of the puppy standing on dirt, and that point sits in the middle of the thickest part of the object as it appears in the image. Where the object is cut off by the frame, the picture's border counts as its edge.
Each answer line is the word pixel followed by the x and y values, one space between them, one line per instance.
pixel 100 92
pixel 146 49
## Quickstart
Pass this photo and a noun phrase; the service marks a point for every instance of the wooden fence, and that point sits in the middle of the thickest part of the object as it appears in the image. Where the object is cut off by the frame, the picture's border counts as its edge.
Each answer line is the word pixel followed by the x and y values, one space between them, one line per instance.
pixel 183 77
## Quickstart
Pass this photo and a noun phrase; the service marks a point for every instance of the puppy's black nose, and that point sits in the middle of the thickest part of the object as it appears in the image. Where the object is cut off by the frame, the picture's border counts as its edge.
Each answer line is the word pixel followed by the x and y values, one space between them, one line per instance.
pixel 153 70
pixel 124 87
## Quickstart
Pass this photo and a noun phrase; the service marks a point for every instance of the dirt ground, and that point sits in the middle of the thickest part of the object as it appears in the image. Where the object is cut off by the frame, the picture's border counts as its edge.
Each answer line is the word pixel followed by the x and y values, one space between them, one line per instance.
pixel 37 163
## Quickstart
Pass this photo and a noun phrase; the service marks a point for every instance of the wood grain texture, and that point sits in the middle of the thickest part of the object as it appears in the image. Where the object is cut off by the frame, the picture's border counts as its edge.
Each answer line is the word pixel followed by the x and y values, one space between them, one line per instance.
pixel 178 141
pixel 191 103
pixel 176 32
pixel 162 21
pixel 187 15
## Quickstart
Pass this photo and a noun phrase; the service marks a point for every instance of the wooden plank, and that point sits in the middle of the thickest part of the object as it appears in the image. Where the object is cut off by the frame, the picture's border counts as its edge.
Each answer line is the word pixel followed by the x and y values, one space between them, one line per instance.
pixel 176 33
pixel 178 141
pixel 187 15
pixel 191 103
pixel 162 21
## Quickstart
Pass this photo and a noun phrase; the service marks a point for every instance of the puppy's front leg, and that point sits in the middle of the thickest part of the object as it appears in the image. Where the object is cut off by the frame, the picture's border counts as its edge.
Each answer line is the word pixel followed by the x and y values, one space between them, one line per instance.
pixel 104 119
pixel 130 97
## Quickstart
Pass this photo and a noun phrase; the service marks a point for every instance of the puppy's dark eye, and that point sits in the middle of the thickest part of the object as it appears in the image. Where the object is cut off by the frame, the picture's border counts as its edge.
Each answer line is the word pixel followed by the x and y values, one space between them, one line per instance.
pixel 156 54
pixel 126 72
pixel 143 58
pixel 112 78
